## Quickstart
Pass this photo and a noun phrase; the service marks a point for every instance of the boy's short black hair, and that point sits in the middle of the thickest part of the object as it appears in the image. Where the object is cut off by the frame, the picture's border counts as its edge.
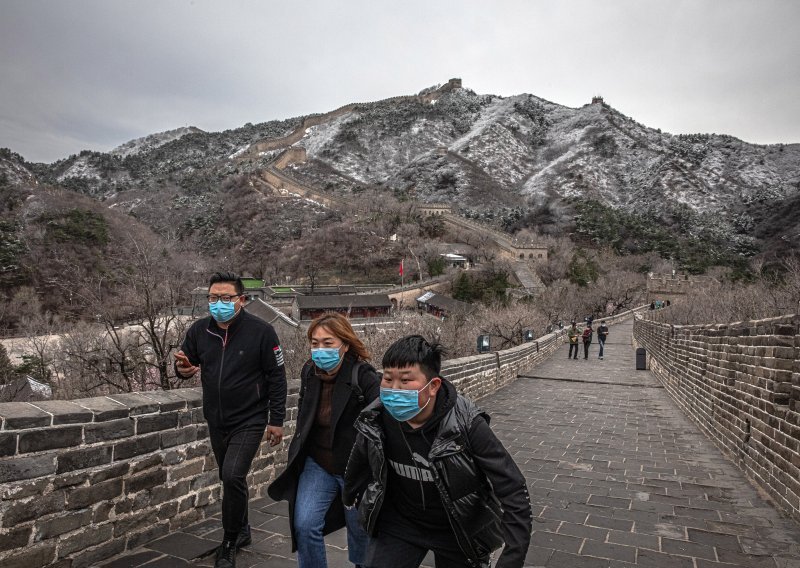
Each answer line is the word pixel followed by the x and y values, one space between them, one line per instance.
pixel 227 278
pixel 415 350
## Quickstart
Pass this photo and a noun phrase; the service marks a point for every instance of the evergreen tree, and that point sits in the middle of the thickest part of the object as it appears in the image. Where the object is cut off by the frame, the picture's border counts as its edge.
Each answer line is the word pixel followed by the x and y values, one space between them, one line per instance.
pixel 463 288
pixel 35 367
pixel 7 373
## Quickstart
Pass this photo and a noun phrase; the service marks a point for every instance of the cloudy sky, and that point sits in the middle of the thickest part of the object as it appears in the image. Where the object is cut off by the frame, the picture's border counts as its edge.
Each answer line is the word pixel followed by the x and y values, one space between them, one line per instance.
pixel 92 74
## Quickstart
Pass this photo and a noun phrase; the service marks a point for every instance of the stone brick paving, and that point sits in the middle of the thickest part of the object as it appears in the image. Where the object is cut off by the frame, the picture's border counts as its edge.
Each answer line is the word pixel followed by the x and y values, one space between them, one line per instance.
pixel 617 475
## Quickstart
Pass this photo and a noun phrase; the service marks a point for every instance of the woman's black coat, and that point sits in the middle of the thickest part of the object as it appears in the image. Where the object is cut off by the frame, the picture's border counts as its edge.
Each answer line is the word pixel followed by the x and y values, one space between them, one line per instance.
pixel 345 408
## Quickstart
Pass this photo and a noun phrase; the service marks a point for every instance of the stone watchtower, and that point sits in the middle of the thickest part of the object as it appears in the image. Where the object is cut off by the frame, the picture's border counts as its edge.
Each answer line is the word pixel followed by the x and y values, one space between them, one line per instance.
pixel 597 100
pixel 429 209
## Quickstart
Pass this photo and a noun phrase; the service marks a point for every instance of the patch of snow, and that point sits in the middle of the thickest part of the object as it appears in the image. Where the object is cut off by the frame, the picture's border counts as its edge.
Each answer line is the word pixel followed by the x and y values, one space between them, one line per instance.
pixel 152 141
pixel 238 152
pixel 40 388
pixel 80 168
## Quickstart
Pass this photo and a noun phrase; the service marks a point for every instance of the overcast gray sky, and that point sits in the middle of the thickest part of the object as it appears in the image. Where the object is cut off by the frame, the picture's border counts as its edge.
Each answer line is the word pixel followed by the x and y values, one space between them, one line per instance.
pixel 92 74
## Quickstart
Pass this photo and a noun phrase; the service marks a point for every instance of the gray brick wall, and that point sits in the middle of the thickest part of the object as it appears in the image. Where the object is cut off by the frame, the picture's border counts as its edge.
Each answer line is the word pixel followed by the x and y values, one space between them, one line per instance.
pixel 83 480
pixel 741 383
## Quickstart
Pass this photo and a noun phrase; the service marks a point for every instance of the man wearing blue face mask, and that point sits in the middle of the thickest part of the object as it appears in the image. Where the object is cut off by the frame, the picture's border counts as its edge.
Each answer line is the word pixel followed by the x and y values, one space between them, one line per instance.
pixel 428 474
pixel 244 395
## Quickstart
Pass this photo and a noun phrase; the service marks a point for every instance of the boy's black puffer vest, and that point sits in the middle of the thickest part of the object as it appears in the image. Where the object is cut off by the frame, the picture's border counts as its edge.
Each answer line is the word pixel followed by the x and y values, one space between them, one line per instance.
pixel 472 509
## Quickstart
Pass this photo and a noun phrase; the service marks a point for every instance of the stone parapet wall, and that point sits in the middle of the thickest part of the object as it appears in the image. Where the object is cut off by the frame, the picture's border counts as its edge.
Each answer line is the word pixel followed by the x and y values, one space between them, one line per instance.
pixel 740 383
pixel 480 375
pixel 505 241
pixel 84 480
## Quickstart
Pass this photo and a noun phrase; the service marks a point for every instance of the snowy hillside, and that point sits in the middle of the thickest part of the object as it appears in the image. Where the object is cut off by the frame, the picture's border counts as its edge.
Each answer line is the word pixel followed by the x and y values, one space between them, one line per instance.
pixel 152 141
pixel 517 162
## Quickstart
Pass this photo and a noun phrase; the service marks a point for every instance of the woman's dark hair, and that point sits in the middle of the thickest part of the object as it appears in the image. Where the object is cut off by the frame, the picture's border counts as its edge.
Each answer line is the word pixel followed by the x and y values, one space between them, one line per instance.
pixel 227 278
pixel 415 350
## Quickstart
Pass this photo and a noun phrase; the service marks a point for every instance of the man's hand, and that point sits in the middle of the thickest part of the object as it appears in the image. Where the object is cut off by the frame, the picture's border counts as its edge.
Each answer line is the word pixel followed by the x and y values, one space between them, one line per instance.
pixel 274 435
pixel 184 366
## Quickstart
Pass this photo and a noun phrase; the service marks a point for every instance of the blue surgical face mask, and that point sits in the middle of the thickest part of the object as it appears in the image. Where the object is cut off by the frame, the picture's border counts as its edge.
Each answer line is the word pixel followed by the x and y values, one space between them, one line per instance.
pixel 221 311
pixel 402 404
pixel 326 358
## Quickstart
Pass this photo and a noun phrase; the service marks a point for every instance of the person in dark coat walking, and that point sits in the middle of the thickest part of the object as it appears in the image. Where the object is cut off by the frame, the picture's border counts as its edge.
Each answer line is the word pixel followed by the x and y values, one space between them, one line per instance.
pixel 244 397
pixel 587 339
pixel 428 473
pixel 335 385
pixel 602 333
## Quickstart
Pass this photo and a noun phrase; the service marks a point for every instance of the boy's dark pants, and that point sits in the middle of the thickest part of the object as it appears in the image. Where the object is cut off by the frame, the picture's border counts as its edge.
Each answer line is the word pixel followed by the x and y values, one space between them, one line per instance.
pixel 388 551
pixel 235 451
pixel 586 345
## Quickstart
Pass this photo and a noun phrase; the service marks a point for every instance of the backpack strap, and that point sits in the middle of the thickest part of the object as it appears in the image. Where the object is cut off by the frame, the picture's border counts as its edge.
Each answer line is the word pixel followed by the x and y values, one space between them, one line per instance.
pixel 354 386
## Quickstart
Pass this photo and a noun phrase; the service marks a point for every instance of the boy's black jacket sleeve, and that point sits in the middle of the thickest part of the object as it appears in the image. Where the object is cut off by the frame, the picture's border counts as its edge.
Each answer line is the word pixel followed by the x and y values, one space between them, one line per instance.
pixel 509 486
pixel 357 474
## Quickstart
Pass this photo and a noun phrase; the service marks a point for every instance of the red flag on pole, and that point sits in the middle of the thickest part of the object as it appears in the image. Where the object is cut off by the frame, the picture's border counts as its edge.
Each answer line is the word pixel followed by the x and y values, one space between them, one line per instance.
pixel 401 267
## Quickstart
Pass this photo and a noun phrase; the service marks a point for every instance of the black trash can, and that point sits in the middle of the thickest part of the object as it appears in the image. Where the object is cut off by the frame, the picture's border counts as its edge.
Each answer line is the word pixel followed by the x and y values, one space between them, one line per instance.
pixel 641 359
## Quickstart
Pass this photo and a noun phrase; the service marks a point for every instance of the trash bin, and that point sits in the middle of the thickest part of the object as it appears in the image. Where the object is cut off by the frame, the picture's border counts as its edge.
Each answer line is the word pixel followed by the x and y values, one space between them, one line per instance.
pixel 641 359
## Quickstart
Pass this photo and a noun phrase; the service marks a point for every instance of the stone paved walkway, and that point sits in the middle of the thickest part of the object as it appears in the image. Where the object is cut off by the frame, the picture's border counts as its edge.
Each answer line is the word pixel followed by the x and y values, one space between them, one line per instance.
pixel 618 476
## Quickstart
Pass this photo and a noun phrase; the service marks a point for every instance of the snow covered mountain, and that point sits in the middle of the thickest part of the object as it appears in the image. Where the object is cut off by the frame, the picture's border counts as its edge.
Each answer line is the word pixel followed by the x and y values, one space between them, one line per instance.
pixel 515 162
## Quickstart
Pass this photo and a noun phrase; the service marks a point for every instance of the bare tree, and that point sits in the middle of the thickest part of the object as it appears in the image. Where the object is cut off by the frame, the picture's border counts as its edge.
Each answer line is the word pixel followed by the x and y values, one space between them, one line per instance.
pixel 508 326
pixel 41 343
pixel 100 359
pixel 154 288
pixel 135 327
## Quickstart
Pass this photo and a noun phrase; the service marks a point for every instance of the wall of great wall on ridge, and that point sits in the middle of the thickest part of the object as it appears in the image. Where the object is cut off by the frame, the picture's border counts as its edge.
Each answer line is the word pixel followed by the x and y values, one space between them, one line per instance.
pixel 272 178
pixel 317 119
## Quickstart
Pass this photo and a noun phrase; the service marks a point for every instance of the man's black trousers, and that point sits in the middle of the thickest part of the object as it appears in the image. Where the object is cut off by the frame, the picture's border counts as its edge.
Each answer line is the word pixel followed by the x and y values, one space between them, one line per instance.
pixel 235 450
pixel 571 347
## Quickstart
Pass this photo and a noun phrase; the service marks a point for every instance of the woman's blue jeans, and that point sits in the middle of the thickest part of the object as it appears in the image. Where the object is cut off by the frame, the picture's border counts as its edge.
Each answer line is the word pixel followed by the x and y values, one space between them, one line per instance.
pixel 316 490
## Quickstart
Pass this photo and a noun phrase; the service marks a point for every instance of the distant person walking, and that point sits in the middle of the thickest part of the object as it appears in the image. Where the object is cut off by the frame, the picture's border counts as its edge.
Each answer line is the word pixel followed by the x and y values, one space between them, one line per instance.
pixel 244 394
pixel 602 333
pixel 336 383
pixel 573 335
pixel 587 340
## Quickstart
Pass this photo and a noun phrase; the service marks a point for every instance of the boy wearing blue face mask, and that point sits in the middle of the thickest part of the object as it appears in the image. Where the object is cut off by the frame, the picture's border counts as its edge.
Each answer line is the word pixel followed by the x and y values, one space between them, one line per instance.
pixel 428 473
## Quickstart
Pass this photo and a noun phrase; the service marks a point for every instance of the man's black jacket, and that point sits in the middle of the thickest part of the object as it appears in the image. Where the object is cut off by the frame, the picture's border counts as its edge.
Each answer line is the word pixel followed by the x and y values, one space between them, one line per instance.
pixel 243 375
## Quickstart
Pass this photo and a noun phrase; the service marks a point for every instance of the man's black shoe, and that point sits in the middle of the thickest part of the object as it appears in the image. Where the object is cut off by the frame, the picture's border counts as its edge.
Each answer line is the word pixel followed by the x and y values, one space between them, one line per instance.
pixel 226 555
pixel 244 537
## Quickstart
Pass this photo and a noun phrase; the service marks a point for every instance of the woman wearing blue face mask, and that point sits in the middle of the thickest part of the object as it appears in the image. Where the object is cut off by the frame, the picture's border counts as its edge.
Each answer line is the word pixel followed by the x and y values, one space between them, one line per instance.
pixel 336 383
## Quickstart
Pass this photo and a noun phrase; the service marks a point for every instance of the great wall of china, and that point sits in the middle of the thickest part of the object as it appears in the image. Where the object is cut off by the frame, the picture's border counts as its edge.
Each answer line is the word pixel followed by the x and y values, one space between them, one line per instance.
pixel 273 179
